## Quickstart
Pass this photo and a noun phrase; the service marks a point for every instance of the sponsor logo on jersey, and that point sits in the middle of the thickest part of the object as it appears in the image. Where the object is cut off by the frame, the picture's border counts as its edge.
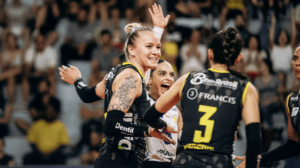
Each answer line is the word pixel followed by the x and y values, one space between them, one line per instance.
pixel 125 129
pixel 198 147
pixel 200 78
pixel 110 74
pixel 295 111
pixel 294 98
pixel 193 94
pixel 165 153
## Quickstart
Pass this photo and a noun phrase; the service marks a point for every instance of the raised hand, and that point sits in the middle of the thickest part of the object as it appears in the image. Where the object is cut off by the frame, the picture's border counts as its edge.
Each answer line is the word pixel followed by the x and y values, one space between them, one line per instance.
pixel 158 17
pixel 69 74
pixel 157 134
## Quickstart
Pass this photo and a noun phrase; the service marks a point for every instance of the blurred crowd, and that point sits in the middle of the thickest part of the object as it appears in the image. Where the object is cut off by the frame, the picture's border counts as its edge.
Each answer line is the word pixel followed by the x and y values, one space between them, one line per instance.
pixel 37 36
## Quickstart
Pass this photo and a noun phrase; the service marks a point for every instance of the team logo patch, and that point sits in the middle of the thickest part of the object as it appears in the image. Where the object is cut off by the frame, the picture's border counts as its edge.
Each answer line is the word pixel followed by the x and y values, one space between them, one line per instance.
pixel 295 111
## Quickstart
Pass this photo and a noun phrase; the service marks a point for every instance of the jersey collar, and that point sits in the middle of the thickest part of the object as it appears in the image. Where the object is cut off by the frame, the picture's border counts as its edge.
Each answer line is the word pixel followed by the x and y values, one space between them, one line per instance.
pixel 126 63
pixel 214 70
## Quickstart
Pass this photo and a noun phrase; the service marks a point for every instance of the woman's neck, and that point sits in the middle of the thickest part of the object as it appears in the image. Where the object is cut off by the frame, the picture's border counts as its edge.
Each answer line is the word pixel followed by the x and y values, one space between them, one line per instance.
pixel 152 94
pixel 219 67
pixel 134 62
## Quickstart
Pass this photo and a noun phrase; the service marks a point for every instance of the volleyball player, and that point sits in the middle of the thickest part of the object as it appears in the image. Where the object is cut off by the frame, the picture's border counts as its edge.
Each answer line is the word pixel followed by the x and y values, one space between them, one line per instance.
pixel 161 154
pixel 125 97
pixel 213 102
pixel 292 147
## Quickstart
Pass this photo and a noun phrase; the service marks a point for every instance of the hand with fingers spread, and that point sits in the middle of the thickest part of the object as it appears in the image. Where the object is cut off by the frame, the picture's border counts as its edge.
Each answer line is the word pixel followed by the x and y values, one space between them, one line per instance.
pixel 69 74
pixel 157 134
pixel 158 17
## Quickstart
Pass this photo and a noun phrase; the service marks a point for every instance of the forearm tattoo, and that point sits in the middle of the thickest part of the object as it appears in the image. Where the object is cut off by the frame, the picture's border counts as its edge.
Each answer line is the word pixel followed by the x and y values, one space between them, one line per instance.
pixel 123 94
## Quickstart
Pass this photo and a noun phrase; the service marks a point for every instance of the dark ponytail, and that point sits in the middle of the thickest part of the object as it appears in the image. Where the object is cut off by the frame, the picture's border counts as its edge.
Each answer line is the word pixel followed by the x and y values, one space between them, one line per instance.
pixel 226 46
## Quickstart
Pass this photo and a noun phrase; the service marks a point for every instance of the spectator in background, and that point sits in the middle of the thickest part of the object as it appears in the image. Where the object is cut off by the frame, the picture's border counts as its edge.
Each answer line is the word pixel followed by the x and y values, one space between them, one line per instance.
pixel 40 61
pixel 72 10
pixel 252 56
pixel 269 9
pixel 36 106
pixel 5 160
pixel 231 8
pixel 92 129
pixel 267 85
pixel 17 16
pixel 193 54
pixel 282 52
pixel 240 24
pixel 91 8
pixel 80 41
pixel 105 56
pixel 5 113
pixel 46 20
pixel 254 16
pixel 11 61
pixel 170 54
pixel 47 137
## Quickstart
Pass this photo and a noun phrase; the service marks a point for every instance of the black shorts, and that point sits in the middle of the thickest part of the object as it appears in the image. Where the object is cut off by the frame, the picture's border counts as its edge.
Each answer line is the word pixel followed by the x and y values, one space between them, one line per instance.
pixel 153 164
pixel 184 160
pixel 108 158
pixel 105 163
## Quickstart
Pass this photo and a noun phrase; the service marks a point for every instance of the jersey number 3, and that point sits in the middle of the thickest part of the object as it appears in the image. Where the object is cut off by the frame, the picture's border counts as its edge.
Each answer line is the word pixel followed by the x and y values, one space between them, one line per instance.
pixel 209 124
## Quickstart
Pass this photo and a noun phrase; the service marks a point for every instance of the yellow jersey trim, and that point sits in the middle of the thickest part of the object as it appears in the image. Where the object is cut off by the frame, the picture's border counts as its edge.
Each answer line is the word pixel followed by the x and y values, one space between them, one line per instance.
pixel 214 70
pixel 287 102
pixel 126 63
pixel 183 84
pixel 245 91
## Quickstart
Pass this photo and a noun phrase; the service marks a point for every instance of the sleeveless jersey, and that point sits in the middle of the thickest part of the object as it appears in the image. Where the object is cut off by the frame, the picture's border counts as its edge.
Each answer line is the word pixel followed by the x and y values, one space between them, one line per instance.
pixel 212 103
pixel 129 147
pixel 293 105
pixel 159 150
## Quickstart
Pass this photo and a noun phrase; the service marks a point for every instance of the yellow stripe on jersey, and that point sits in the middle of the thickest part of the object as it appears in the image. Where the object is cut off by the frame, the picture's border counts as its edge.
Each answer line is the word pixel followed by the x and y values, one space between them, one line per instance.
pixel 245 91
pixel 126 63
pixel 183 84
pixel 287 102
pixel 214 70
pixel 105 114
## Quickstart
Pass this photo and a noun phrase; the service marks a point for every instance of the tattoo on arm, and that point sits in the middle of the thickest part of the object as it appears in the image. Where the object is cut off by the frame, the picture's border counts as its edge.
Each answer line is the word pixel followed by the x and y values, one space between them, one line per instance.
pixel 122 93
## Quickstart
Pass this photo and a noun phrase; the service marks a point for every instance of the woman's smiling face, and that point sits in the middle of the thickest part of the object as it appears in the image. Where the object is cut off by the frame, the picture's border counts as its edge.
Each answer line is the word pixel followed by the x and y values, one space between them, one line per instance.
pixel 161 80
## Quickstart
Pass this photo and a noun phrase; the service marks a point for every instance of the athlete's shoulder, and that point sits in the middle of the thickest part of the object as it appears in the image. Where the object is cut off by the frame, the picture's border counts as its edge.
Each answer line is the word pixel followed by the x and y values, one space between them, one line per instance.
pixel 293 96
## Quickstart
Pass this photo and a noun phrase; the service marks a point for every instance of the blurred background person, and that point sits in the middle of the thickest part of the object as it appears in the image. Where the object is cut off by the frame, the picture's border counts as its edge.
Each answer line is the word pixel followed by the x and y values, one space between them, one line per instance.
pixel 193 54
pixel 40 61
pixel 5 160
pixel 11 60
pixel 47 136
pixel 105 56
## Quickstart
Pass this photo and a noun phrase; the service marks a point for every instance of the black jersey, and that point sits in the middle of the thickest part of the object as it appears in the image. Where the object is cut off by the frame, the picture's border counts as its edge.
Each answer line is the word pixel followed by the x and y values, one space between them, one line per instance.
pixel 212 102
pixel 293 104
pixel 125 145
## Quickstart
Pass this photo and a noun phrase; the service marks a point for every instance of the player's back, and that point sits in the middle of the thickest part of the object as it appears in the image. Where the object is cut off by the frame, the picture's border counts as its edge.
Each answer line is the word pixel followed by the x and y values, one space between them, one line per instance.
pixel 212 103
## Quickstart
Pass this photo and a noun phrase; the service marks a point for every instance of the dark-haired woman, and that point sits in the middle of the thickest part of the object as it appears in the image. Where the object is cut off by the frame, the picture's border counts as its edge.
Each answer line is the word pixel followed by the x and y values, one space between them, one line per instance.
pixel 213 103
pixel 292 147
pixel 125 97
pixel 161 154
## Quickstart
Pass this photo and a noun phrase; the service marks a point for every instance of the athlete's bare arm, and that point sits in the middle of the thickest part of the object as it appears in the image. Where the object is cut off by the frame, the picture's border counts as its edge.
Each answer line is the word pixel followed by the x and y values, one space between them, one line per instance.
pixel 166 101
pixel 180 121
pixel 250 112
pixel 126 87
